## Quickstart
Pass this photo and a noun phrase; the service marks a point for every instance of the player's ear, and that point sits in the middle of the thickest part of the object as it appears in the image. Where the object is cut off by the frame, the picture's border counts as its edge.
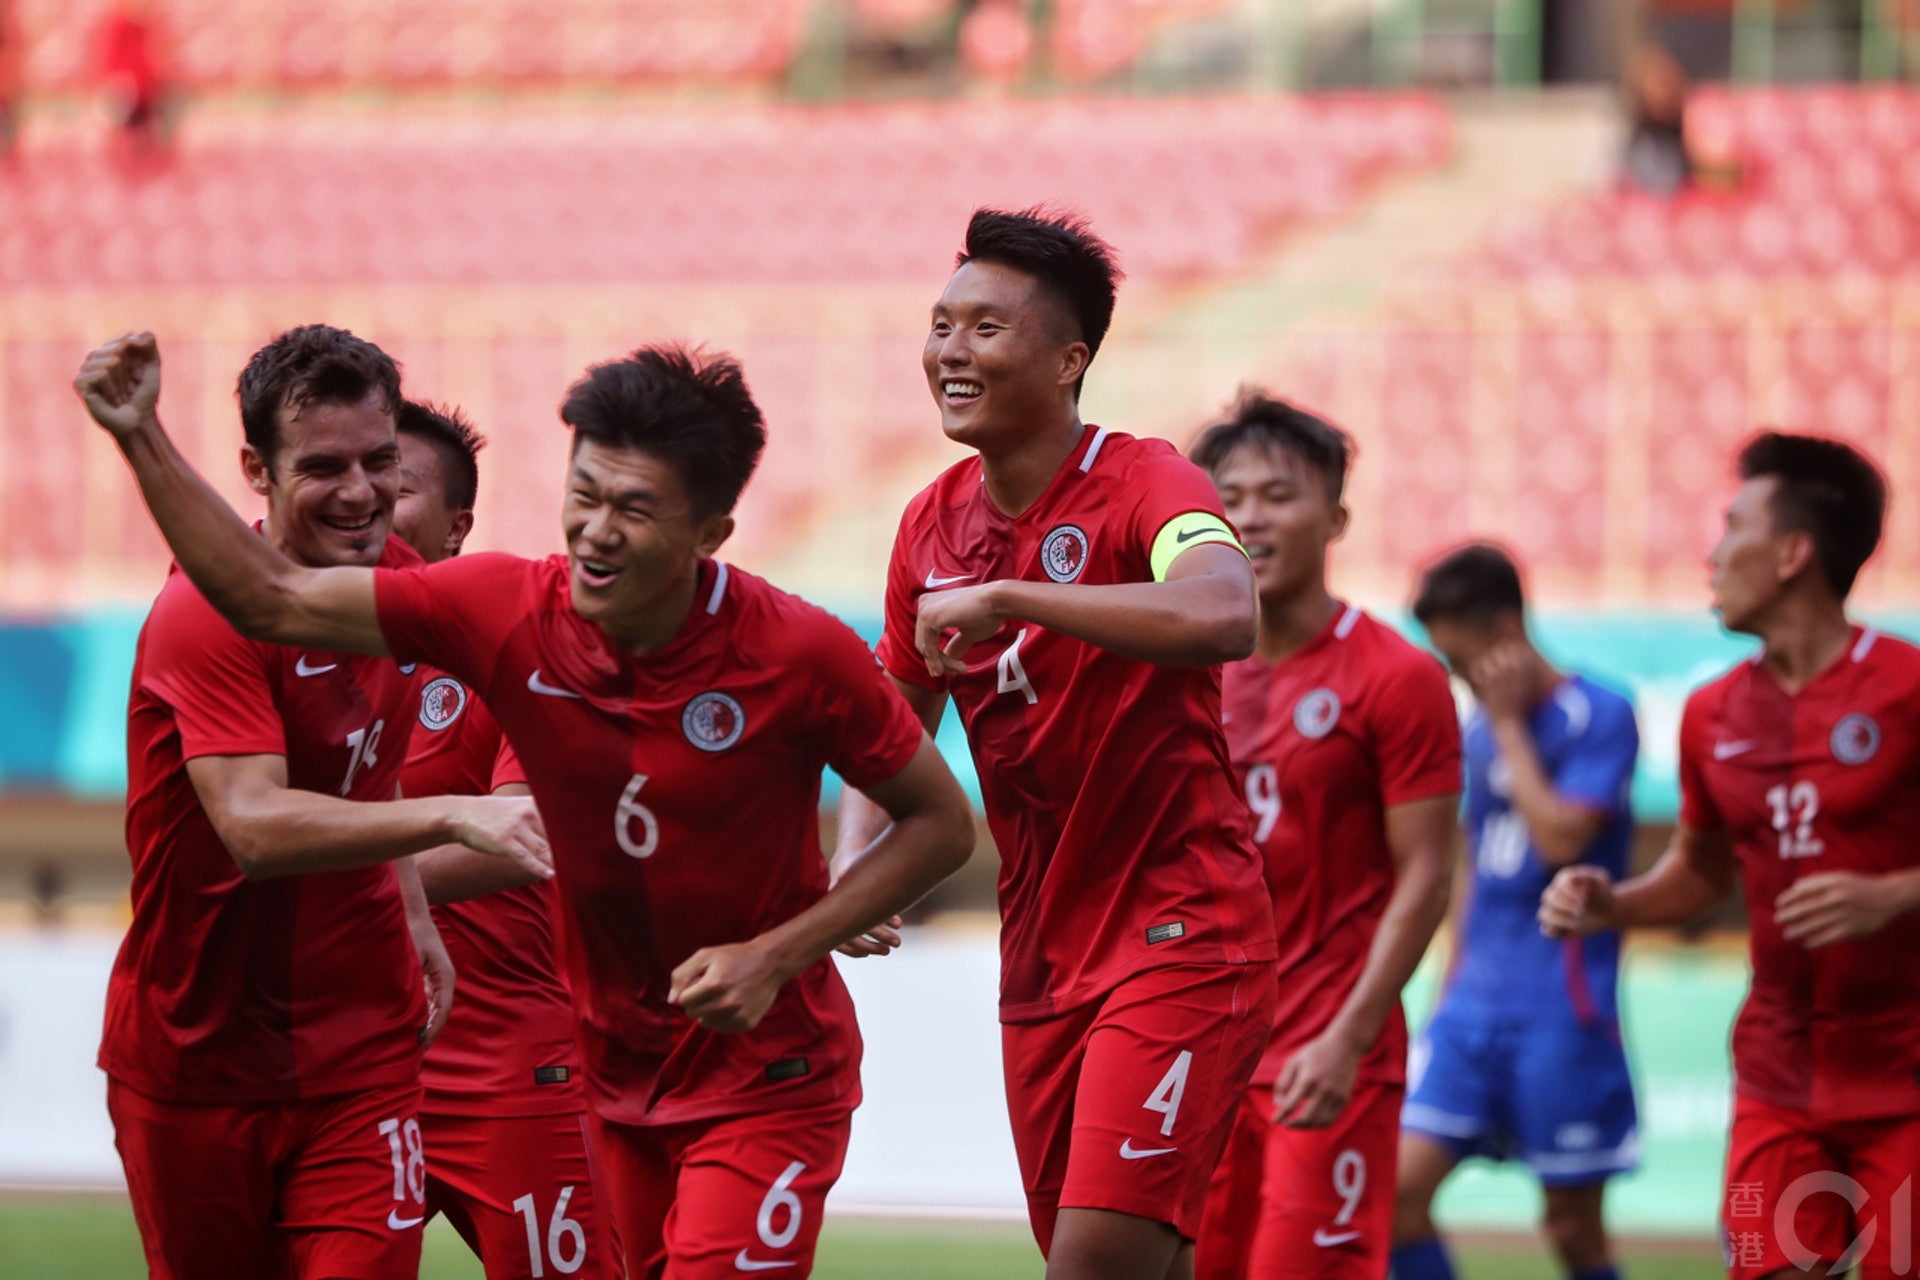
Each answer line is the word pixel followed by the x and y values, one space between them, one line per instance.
pixel 253 465
pixel 1796 555
pixel 457 532
pixel 1338 521
pixel 1074 359
pixel 714 530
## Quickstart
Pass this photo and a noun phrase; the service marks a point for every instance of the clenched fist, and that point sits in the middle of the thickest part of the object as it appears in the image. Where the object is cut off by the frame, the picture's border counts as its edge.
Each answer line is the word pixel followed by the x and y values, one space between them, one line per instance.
pixel 120 383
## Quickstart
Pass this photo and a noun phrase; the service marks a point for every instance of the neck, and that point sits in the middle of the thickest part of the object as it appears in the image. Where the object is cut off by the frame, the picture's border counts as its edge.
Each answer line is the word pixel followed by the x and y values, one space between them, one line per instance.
pixel 1289 623
pixel 1546 676
pixel 1802 639
pixel 1017 476
pixel 652 627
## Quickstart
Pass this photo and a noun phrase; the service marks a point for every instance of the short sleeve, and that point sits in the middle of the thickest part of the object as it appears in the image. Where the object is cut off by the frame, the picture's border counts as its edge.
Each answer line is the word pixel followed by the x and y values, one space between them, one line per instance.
pixel 1167 488
pixel 1598 768
pixel 1697 809
pixel 506 767
pixel 1417 734
pixel 864 728
pixel 449 615
pixel 216 681
pixel 895 650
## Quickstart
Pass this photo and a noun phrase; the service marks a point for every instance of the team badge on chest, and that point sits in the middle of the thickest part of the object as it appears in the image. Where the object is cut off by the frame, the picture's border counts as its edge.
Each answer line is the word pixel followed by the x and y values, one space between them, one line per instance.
pixel 1855 738
pixel 1063 554
pixel 1316 713
pixel 441 702
pixel 713 721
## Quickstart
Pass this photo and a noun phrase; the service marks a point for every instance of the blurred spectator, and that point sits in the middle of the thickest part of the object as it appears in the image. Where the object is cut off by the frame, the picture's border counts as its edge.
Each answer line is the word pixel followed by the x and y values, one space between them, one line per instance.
pixel 9 80
pixel 132 68
pixel 1656 159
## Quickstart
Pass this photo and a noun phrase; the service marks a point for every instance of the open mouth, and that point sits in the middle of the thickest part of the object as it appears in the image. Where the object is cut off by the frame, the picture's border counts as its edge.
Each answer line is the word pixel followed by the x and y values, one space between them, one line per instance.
pixel 595 574
pixel 350 527
pixel 960 391
pixel 1259 552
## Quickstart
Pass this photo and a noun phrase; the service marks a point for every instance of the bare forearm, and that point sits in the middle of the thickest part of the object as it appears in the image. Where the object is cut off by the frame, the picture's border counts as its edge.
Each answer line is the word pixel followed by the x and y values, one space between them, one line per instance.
pixel 1414 912
pixel 860 824
pixel 292 832
pixel 1560 831
pixel 1675 892
pixel 1188 622
pixel 455 873
pixel 413 893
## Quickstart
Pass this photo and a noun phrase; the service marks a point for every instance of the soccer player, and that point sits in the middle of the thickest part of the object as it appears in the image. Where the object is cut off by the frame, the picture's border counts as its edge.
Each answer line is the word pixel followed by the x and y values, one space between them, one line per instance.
pixel 1346 744
pixel 264 1015
pixel 1523 1055
pixel 504 1117
pixel 1073 590
pixel 672 715
pixel 1800 769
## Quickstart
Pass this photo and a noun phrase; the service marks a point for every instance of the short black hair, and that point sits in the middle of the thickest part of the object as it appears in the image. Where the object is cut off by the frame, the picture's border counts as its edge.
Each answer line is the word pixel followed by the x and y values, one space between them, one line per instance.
pixel 1266 422
pixel 1475 583
pixel 1058 248
pixel 454 439
pixel 313 364
pixel 1826 489
pixel 684 406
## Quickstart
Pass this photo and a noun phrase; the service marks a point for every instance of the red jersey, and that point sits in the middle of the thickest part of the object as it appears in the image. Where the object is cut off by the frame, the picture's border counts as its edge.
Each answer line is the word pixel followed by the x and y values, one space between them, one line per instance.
pixel 1827 779
pixel 1123 843
pixel 681 793
pixel 235 991
pixel 507 1049
pixel 1324 743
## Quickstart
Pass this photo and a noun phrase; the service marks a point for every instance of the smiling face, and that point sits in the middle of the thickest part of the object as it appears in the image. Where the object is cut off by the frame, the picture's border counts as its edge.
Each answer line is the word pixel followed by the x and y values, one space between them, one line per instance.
pixel 999 358
pixel 1285 516
pixel 633 536
pixel 1753 561
pixel 333 482
pixel 421 516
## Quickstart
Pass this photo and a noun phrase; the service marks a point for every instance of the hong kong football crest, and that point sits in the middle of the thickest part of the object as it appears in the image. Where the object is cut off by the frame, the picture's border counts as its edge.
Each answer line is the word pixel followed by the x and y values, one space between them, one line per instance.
pixel 1315 714
pixel 1855 738
pixel 441 702
pixel 1064 552
pixel 713 721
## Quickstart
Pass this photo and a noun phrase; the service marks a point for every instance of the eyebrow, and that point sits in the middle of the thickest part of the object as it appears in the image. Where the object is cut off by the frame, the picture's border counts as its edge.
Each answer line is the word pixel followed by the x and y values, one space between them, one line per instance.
pixel 618 497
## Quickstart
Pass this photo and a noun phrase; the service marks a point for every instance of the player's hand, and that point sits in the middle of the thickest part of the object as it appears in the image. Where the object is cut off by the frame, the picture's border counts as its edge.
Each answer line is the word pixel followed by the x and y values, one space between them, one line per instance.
pixel 507 827
pixel 1313 1087
pixel 1502 681
pixel 727 988
pixel 1834 906
pixel 436 967
pixel 952 622
pixel 881 940
pixel 120 383
pixel 1579 901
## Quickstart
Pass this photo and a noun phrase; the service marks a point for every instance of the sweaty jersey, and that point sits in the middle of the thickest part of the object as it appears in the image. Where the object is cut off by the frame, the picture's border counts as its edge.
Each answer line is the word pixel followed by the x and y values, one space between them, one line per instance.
pixel 507 1048
pixel 1123 842
pixel 241 992
pixel 1324 743
pixel 680 792
pixel 1824 780
pixel 1586 740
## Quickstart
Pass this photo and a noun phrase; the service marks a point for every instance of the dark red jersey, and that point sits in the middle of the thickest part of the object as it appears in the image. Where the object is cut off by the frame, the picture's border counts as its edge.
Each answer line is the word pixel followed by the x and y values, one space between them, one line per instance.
pixel 235 991
pixel 680 791
pixel 1324 743
pixel 507 1048
pixel 1123 841
pixel 1827 779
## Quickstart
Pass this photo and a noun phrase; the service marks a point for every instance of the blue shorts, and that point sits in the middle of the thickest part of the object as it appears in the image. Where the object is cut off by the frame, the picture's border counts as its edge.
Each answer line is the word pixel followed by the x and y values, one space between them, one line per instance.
pixel 1552 1092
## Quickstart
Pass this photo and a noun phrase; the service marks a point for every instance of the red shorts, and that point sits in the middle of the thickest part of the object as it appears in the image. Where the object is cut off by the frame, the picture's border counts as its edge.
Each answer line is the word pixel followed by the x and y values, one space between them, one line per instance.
pixel 1801 1190
pixel 520 1191
pixel 1304 1204
pixel 329 1188
pixel 1126 1103
pixel 720 1198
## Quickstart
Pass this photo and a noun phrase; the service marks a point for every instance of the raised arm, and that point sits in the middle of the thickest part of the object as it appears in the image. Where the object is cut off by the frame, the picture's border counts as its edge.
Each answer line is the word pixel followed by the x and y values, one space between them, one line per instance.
pixel 730 988
pixel 245 577
pixel 1203 613
pixel 272 829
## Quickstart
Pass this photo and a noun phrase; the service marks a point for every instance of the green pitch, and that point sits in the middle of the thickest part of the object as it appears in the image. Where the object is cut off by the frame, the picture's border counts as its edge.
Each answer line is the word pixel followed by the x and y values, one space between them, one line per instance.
pixel 94 1239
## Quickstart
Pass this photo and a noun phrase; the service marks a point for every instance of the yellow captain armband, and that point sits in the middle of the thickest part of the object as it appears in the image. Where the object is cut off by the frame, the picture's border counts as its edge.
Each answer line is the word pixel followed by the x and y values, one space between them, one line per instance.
pixel 1185 532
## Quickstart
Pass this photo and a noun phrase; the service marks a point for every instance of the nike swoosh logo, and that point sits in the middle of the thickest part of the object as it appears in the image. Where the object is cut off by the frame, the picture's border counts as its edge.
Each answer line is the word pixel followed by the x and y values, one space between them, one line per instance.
pixel 300 667
pixel 1728 750
pixel 1130 1152
pixel 932 581
pixel 1327 1239
pixel 535 683
pixel 1191 534
pixel 743 1262
pixel 397 1223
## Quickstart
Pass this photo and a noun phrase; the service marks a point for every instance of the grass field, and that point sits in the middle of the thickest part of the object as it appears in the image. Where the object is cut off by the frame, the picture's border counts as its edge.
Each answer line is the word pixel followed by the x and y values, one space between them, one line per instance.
pixel 94 1239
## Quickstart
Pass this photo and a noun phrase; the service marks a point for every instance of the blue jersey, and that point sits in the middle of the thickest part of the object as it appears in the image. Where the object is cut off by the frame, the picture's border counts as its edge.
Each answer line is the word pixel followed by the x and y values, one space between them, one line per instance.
pixel 1586 740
